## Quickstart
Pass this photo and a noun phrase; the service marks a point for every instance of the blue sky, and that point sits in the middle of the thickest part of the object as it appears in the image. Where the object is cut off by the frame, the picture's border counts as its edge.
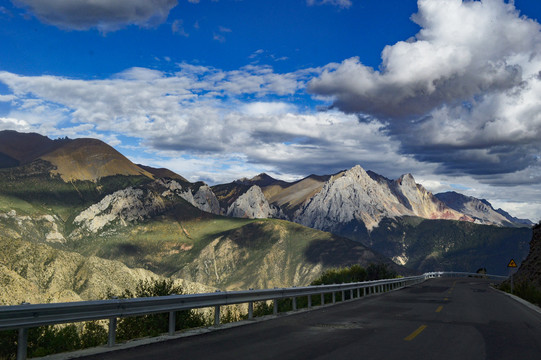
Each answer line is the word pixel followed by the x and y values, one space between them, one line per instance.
pixel 447 90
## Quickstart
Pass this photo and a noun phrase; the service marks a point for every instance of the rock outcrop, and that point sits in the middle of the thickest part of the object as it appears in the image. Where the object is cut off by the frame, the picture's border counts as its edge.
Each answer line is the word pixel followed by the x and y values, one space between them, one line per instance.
pixel 480 210
pixel 530 269
pixel 124 206
pixel 354 195
pixel 45 228
pixel 132 205
pixel 204 199
pixel 253 205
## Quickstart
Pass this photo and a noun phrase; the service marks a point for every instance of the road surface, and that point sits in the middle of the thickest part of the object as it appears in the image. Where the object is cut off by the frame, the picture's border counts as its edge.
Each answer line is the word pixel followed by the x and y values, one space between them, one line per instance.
pixel 445 318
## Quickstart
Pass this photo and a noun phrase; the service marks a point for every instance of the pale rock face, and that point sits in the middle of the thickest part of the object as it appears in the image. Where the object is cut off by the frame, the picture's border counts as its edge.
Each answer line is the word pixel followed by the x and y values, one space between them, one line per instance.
pixel 47 223
pixel 423 203
pixel 354 195
pixel 252 204
pixel 131 205
pixel 480 210
pixel 127 206
pixel 204 199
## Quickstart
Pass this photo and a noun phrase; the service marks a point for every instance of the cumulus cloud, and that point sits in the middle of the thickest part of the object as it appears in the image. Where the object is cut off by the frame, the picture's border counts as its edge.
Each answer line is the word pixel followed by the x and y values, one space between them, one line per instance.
pixel 203 112
pixel 105 15
pixel 463 93
pixel 13 124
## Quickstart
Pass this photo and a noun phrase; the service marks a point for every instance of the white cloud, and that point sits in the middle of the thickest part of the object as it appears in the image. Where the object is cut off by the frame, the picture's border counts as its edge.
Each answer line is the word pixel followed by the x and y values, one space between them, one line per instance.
pixel 340 3
pixel 214 125
pixel 105 15
pixel 267 108
pixel 178 28
pixel 468 82
pixel 14 124
pixel 202 111
pixel 6 98
pixel 218 37
pixel 463 49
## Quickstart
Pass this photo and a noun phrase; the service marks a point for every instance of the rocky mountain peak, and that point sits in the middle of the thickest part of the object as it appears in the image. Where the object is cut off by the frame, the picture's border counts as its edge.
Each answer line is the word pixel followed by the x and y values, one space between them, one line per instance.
pixel 479 209
pixel 356 171
pixel 252 204
pixel 406 180
pixel 357 196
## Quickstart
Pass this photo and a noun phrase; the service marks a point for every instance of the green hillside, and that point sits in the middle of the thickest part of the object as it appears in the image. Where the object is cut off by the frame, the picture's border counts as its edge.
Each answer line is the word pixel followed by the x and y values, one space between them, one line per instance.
pixel 153 232
pixel 32 189
pixel 430 245
pixel 226 252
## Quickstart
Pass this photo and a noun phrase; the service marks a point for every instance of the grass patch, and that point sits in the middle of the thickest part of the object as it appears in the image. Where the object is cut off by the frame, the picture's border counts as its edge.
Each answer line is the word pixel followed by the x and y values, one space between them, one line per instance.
pixel 524 289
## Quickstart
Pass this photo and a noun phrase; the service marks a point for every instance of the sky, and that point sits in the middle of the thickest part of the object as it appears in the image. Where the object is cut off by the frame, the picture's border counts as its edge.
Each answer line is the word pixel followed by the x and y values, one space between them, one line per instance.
pixel 217 90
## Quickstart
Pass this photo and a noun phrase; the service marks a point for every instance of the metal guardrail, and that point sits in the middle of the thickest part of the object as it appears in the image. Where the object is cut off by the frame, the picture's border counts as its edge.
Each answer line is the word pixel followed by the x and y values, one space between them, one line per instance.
pixel 25 316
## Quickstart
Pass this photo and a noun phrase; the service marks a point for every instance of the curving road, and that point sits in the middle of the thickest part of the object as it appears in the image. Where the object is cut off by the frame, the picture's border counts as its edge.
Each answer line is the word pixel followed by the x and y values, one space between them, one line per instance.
pixel 439 319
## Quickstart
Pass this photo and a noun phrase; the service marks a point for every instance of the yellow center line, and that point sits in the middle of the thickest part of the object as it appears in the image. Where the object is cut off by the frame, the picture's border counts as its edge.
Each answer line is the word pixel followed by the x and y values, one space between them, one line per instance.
pixel 439 308
pixel 414 334
pixel 446 299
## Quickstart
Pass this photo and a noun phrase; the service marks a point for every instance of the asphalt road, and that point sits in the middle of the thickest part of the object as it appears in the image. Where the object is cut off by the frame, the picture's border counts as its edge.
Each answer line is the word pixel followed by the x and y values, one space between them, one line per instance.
pixel 439 319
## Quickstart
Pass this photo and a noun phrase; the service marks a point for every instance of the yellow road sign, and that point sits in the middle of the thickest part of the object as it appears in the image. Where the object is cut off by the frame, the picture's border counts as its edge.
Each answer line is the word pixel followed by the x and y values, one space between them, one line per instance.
pixel 512 263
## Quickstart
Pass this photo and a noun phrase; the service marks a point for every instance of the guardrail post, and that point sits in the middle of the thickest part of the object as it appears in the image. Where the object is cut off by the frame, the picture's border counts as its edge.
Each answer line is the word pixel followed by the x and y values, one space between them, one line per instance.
pixel 351 294
pixel 275 309
pixel 309 301
pixel 294 303
pixel 251 308
pixel 322 299
pixel 112 332
pixel 217 315
pixel 343 296
pixel 333 297
pixel 364 291
pixel 22 344
pixel 172 318
pixel 358 292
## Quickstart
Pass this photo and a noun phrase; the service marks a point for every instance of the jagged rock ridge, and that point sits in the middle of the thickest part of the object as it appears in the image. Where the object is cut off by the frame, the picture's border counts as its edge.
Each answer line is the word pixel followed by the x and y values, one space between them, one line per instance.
pixel 480 210
pixel 327 203
pixel 355 195
pixel 131 205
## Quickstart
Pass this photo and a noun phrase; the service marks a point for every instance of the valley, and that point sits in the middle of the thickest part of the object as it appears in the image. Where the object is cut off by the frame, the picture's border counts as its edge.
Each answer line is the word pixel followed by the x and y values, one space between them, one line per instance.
pixel 77 210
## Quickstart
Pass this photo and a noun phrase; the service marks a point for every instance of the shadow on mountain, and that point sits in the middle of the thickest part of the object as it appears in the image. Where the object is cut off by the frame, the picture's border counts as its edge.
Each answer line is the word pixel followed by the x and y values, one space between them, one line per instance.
pixel 340 252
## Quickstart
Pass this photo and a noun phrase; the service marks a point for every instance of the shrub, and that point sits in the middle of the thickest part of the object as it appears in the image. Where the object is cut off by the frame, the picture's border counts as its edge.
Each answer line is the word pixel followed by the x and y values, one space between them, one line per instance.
pixel 155 324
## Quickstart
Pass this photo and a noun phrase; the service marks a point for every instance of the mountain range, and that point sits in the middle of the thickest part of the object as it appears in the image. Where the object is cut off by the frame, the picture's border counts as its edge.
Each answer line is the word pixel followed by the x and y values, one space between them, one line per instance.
pixel 80 198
